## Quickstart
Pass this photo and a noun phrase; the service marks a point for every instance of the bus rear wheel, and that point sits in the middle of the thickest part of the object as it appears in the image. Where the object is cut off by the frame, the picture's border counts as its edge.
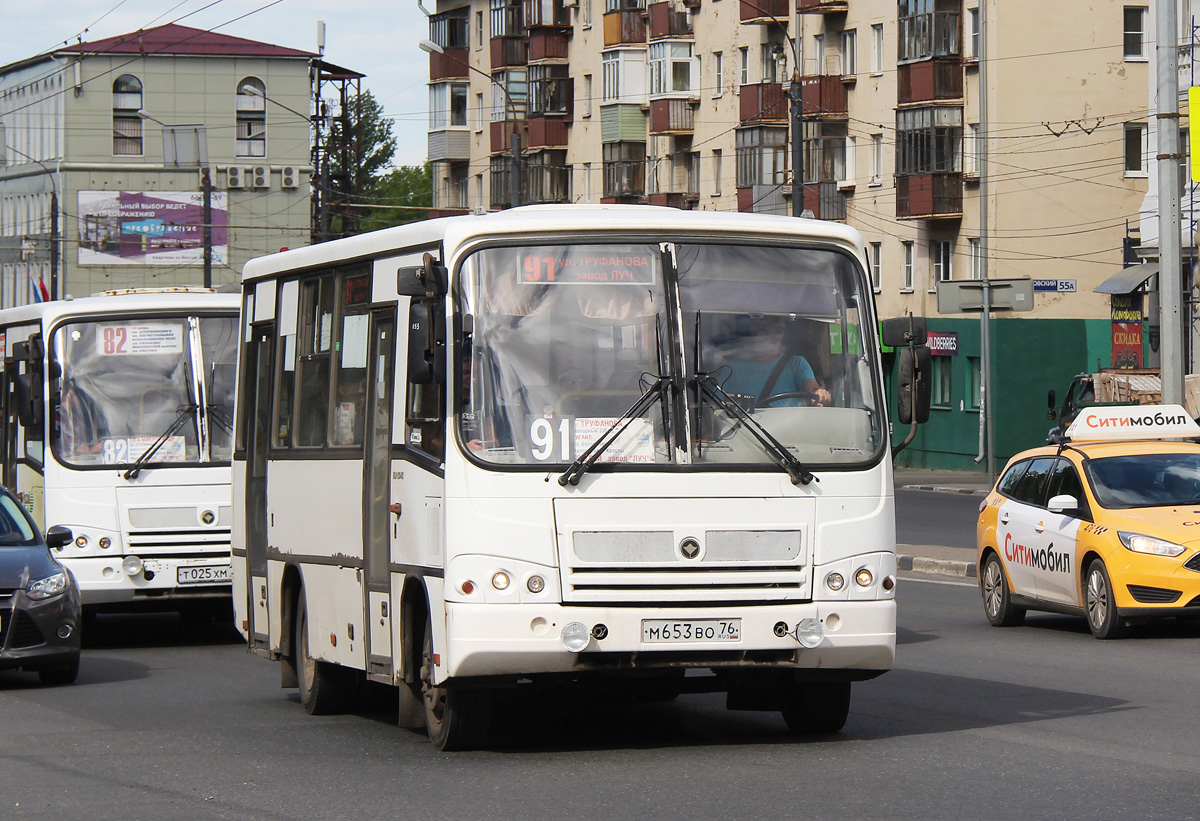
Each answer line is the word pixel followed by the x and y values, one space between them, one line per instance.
pixel 817 707
pixel 325 689
pixel 455 718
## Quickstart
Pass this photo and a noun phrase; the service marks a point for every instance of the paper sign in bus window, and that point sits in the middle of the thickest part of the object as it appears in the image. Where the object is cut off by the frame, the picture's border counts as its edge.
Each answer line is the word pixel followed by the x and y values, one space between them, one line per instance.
pixel 139 339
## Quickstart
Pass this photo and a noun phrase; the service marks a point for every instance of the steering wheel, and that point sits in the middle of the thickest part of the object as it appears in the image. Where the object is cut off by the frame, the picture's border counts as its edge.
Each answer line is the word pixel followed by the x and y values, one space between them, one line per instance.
pixel 776 397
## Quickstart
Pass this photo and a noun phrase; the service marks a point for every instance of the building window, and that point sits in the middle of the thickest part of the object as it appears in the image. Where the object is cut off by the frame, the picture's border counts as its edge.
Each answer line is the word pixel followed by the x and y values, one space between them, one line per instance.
pixel 877 266
pixel 447 106
pixel 509 93
pixel 972 43
pixel 251 103
pixel 976 250
pixel 585 7
pixel 624 5
pixel 1135 149
pixel 774 62
pixel 744 54
pixel 506 18
pixel 940 384
pixel 549 176
pixel 670 67
pixel 718 63
pixel 449 29
pixel 478 30
pixel 761 156
pixel 929 28
pixel 587 95
pixel 972 150
pixel 479 112
pixel 718 170
pixel 1135 32
pixel 909 262
pixel 943 252
pixel 611 77
pixel 549 89
pixel 974 395
pixel 827 149
pixel 499 177
pixel 928 140
pixel 876 159
pixel 587 182
pixel 849 53
pixel 625 169
pixel 127 122
pixel 877 48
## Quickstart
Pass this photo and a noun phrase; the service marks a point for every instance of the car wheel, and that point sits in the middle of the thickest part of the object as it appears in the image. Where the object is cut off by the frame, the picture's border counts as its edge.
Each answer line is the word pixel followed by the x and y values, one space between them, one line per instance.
pixel 455 718
pixel 997 598
pixel 817 707
pixel 325 688
pixel 1101 607
pixel 63 673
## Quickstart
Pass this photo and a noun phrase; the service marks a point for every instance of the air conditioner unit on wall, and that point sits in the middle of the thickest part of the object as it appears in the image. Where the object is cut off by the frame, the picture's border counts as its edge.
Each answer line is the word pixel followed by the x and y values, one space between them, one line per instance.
pixel 290 176
pixel 260 176
pixel 235 177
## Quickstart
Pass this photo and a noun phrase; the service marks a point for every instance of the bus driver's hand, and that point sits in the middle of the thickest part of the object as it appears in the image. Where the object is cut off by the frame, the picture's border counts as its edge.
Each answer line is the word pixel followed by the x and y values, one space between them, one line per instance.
pixel 824 398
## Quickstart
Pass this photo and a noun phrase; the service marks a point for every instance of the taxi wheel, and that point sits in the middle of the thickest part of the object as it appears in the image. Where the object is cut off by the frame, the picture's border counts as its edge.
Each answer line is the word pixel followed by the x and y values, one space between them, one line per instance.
pixel 1102 615
pixel 997 600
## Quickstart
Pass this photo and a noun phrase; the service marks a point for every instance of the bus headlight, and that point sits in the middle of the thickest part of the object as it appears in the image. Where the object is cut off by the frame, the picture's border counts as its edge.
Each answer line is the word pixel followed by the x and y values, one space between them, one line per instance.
pixel 835 581
pixel 575 637
pixel 81 540
pixel 132 566
pixel 535 584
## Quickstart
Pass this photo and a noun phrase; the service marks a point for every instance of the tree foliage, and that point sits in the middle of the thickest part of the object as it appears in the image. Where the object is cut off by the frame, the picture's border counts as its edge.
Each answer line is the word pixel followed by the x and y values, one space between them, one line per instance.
pixel 404 195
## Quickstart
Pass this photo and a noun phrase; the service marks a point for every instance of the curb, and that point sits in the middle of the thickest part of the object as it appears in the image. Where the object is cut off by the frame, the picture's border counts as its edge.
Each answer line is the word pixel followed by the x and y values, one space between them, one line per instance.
pixel 938 567
pixel 943 489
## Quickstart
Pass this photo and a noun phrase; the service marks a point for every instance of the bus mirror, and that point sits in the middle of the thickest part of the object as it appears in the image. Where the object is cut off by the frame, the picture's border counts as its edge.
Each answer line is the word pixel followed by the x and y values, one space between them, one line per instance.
pixel 429 279
pixel 408 281
pixel 1050 399
pixel 913 398
pixel 902 331
pixel 426 343
pixel 29 405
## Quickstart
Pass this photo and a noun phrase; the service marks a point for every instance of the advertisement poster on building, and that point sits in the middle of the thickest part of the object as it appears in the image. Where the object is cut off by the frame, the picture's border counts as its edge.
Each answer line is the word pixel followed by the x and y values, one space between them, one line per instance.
pixel 150 227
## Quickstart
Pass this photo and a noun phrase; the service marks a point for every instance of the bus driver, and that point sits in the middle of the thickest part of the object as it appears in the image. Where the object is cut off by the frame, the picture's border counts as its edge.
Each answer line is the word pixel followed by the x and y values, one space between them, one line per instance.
pixel 763 366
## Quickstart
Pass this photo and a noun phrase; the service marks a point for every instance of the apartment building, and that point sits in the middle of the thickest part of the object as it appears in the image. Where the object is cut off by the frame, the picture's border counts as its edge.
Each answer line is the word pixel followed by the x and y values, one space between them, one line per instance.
pixel 163 157
pixel 964 138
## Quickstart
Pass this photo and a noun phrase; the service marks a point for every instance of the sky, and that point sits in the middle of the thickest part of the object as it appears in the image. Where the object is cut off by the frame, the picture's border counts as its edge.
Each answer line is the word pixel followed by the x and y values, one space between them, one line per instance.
pixel 376 38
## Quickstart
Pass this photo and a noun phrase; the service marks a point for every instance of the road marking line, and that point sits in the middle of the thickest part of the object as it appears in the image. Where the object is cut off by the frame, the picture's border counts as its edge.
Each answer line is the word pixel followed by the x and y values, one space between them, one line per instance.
pixel 909 578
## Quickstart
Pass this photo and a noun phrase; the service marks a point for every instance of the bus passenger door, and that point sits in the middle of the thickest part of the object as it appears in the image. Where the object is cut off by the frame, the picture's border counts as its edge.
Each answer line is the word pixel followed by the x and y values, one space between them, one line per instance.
pixel 257 413
pixel 376 497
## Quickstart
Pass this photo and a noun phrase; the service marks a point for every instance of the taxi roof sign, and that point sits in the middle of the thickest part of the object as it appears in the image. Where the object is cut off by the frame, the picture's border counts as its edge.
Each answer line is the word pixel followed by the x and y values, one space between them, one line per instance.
pixel 1125 422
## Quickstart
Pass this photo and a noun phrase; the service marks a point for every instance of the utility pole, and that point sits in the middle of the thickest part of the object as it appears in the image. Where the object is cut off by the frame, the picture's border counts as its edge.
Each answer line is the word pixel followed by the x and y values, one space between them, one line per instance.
pixel 54 242
pixel 796 98
pixel 1170 275
pixel 206 187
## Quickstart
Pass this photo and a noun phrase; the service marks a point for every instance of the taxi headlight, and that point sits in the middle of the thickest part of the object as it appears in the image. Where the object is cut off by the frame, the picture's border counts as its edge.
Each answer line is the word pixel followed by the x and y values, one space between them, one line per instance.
pixel 1139 543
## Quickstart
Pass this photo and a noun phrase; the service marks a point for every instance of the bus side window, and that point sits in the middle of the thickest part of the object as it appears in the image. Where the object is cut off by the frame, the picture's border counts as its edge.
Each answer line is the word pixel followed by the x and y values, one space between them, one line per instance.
pixel 425 406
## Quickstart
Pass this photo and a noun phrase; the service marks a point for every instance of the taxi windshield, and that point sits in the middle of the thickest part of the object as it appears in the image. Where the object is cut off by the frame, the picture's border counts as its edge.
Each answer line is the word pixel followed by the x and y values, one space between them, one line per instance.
pixel 1145 480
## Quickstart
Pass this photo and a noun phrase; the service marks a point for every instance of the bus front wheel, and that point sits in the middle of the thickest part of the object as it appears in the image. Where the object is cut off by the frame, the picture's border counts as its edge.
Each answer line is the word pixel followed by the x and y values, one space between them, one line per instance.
pixel 325 689
pixel 455 718
pixel 817 707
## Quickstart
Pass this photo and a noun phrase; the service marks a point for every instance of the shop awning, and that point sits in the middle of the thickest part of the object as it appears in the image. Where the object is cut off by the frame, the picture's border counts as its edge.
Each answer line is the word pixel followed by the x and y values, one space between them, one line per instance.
pixel 1129 279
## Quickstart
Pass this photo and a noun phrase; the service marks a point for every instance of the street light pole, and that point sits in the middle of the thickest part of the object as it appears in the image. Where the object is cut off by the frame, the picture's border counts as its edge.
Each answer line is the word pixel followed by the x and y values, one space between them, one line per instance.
pixel 514 183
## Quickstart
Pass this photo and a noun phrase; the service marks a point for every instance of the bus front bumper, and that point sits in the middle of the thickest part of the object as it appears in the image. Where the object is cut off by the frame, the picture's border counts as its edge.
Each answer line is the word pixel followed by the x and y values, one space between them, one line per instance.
pixel 109 580
pixel 527 639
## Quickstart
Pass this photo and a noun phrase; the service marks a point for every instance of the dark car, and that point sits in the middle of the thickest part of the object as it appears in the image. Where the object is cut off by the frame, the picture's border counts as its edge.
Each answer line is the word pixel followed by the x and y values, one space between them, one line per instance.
pixel 39 600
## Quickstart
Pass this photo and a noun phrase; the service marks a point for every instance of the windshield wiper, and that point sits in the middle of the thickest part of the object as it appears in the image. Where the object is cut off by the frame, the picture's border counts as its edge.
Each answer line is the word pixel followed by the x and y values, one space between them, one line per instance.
pixel 799 474
pixel 588 458
pixel 180 419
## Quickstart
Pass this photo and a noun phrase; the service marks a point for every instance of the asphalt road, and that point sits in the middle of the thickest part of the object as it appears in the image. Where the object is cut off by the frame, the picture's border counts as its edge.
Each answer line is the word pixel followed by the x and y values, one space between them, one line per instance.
pixel 1041 721
pixel 938 518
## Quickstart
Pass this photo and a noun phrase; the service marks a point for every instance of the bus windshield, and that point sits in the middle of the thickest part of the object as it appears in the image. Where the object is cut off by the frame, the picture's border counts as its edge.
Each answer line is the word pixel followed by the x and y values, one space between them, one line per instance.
pixel 765 345
pixel 159 390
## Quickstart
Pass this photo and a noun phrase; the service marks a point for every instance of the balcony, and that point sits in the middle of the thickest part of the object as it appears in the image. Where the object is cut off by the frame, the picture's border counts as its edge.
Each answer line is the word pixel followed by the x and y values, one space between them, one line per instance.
pixel 546 132
pixel 765 11
pixel 938 79
pixel 548 44
pixel 685 200
pixel 509 51
pixel 763 102
pixel 627 26
pixel 824 96
pixel 554 13
pixel 825 200
pixel 762 199
pixel 929 196
pixel 822 6
pixel 502 131
pixel 672 116
pixel 451 64
pixel 668 21
pixel 449 144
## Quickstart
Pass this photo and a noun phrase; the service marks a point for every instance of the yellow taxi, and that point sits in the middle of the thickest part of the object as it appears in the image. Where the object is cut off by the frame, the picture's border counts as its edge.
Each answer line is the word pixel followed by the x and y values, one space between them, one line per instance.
pixel 1105 525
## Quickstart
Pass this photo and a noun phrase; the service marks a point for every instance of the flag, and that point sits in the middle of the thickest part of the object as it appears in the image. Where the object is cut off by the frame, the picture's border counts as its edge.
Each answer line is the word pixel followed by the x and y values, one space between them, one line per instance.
pixel 40 292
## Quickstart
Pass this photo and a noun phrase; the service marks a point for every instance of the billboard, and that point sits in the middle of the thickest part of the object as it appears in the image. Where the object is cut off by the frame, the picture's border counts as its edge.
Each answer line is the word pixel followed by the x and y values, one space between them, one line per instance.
pixel 150 227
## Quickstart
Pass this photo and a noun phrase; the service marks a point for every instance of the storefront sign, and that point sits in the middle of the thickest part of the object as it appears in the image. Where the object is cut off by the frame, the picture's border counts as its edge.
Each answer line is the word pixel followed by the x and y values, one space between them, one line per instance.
pixel 1127 344
pixel 1061 286
pixel 943 343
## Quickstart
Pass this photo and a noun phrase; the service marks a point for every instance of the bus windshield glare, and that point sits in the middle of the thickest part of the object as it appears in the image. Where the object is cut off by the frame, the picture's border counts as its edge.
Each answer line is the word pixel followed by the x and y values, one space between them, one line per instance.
pixel 764 346
pixel 129 385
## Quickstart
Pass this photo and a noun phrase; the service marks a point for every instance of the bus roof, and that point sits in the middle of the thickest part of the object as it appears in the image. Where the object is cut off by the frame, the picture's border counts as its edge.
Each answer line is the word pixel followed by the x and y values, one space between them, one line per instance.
pixel 548 219
pixel 134 300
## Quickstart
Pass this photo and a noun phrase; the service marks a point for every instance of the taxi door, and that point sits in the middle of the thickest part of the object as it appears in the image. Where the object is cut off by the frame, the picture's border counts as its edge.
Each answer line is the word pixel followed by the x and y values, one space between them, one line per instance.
pixel 1056 567
pixel 1020 527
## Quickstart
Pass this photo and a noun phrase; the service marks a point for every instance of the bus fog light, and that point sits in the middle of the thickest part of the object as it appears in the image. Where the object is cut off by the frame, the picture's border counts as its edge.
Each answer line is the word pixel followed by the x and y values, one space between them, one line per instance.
pixel 500 580
pixel 809 633
pixel 863 577
pixel 835 581
pixel 576 636
pixel 536 584
pixel 104 542
pixel 132 566
pixel 81 540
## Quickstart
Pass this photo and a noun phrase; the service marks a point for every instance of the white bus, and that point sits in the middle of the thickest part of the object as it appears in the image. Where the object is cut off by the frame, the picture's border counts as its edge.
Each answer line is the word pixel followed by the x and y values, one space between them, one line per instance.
pixel 117 423
pixel 550 444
